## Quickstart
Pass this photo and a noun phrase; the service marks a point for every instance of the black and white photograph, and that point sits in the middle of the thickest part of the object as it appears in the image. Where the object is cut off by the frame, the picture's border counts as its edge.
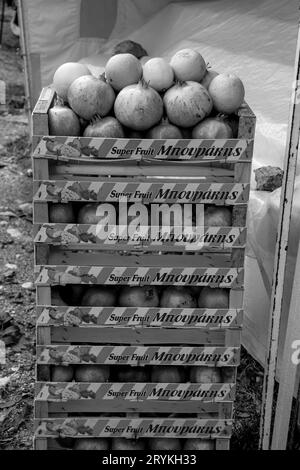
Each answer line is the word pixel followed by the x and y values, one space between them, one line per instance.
pixel 149 229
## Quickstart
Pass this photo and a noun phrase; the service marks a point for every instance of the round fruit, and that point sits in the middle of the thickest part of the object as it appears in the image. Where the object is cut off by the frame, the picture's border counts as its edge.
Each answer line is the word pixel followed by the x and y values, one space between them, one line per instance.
pixel 61 213
pixel 63 121
pixel 91 373
pixel 138 107
pixel 177 297
pixel 130 47
pixel 212 128
pixel 91 444
pixel 227 92
pixel 208 78
pixel 145 296
pixel 134 134
pixel 65 75
pixel 98 296
pixel 56 298
pixel 164 444
pixel 89 95
pixel 65 442
pixel 188 65
pixel 71 293
pixel 132 374
pixel 158 74
pixel 187 103
pixel 108 127
pixel 213 298
pixel 203 374
pixel 164 130
pixel 90 214
pixel 62 374
pixel 127 444
pixel 167 374
pixel 199 444
pixel 216 216
pixel 122 70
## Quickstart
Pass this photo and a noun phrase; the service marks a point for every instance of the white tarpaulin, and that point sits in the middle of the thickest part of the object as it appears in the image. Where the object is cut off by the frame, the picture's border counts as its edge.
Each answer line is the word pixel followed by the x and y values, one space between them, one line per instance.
pixel 256 40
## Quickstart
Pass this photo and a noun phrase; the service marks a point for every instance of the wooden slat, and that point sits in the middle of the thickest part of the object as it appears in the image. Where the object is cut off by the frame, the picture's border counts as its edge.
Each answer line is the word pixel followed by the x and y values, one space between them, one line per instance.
pixel 133 428
pixel 139 317
pixel 147 191
pixel 138 355
pixel 232 278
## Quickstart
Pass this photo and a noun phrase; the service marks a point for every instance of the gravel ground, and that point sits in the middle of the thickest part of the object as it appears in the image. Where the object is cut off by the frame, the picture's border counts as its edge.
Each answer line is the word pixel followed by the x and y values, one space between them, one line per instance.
pixel 17 297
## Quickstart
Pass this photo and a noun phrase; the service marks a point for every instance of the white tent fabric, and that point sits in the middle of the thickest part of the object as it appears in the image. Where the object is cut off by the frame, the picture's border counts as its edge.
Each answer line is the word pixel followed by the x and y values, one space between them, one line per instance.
pixel 256 40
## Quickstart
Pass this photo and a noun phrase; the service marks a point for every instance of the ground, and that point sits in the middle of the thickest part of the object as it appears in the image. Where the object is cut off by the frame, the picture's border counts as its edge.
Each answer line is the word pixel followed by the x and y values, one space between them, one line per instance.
pixel 17 296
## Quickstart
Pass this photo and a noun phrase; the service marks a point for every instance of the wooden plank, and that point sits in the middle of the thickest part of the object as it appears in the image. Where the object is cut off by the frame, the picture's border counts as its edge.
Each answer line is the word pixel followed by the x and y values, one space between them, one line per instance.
pixel 40 113
pixel 148 191
pixel 138 355
pixel 115 406
pixel 290 365
pixel 239 215
pixel 40 443
pixel 147 150
pixel 222 444
pixel 43 295
pixel 162 237
pixel 290 168
pixel 144 336
pixel 57 392
pixel 232 278
pixel 133 428
pixel 139 317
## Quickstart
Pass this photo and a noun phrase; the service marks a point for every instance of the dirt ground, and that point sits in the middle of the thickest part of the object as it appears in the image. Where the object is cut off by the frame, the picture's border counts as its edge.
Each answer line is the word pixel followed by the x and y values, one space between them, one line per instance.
pixel 17 295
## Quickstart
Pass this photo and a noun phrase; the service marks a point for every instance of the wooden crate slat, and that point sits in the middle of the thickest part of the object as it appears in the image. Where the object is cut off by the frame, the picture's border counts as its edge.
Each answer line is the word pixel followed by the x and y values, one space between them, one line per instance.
pixel 143 236
pixel 132 428
pixel 132 392
pixel 149 150
pixel 108 190
pixel 139 317
pixel 138 355
pixel 91 275
pixel 140 335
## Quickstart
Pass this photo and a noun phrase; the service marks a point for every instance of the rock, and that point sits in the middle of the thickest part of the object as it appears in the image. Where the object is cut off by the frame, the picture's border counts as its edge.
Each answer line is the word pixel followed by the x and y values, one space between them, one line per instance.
pixel 26 208
pixel 14 232
pixel 268 178
pixel 28 286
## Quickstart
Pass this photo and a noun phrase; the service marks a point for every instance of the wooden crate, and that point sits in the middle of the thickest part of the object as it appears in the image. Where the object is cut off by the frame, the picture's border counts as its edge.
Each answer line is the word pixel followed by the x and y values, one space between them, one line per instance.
pixel 83 170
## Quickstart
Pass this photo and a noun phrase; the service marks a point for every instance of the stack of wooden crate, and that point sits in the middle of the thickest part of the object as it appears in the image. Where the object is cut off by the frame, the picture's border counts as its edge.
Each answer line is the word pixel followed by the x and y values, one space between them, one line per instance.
pixel 71 169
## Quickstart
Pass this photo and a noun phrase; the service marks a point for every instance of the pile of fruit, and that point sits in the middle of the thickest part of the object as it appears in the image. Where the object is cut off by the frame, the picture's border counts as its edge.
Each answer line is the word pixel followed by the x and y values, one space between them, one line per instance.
pixel 141 296
pixel 148 98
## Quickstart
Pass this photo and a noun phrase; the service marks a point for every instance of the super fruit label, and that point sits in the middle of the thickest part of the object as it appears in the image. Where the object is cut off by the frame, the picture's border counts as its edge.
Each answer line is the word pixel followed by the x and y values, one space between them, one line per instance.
pixel 229 150
pixel 145 192
pixel 138 355
pixel 142 236
pixel 106 275
pixel 133 428
pixel 139 317
pixel 208 393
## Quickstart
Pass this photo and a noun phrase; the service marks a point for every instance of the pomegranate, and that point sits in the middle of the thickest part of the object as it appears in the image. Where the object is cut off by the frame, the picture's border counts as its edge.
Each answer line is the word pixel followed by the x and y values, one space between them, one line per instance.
pixel 187 103
pixel 188 65
pixel 164 444
pixel 104 127
pixel 167 374
pixel 208 78
pixel 227 92
pixel 99 296
pixel 61 213
pixel 127 444
pixel 62 374
pixel 177 297
pixel 146 296
pixel 65 76
pixel 158 74
pixel 122 70
pixel 132 374
pixel 212 128
pixel 217 216
pixel 164 130
pixel 138 107
pixel 91 444
pixel 63 121
pixel 205 374
pixel 91 373
pixel 199 444
pixel 89 95
pixel 213 298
